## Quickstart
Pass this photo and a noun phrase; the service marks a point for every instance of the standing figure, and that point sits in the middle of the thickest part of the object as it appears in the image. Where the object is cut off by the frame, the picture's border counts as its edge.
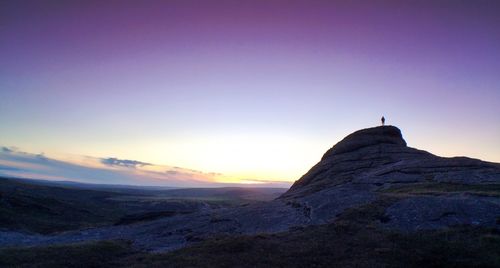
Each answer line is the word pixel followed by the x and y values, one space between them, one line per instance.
pixel 383 120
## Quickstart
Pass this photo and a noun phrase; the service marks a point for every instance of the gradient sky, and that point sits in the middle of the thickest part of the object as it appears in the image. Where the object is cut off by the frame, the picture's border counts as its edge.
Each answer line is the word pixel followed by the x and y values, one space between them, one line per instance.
pixel 254 90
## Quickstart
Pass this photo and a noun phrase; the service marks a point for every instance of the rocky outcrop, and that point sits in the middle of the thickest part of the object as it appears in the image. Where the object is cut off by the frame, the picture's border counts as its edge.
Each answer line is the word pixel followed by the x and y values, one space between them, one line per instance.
pixel 365 138
pixel 370 163
pixel 379 155
pixel 357 153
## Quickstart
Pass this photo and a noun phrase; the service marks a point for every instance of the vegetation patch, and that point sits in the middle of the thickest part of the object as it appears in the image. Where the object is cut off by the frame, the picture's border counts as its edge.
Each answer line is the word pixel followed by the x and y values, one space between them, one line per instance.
pixel 147 216
pixel 430 188
pixel 42 209
pixel 97 254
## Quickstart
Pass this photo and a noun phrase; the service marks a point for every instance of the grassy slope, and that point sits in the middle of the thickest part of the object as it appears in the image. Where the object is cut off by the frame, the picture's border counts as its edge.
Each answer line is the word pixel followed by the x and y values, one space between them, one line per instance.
pixel 45 209
pixel 353 240
pixel 432 188
pixel 101 254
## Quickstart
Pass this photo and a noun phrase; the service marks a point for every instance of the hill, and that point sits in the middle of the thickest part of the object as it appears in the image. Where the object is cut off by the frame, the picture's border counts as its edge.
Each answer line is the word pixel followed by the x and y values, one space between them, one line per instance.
pixel 431 191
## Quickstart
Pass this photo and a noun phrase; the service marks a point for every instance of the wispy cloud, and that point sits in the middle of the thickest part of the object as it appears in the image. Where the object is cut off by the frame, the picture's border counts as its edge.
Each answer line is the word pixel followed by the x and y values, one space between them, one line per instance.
pixel 111 170
pixel 274 183
pixel 7 150
pixel 111 161
pixel 16 163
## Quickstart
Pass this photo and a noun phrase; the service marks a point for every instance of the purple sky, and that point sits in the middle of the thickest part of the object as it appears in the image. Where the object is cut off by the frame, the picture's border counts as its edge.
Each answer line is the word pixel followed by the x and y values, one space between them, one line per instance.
pixel 256 90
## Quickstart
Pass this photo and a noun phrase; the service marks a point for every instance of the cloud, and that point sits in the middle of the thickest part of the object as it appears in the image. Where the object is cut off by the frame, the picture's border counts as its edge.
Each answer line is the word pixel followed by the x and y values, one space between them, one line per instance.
pixel 268 183
pixel 111 161
pixel 87 169
pixel 3 167
pixel 7 150
pixel 172 172
pixel 111 170
pixel 41 157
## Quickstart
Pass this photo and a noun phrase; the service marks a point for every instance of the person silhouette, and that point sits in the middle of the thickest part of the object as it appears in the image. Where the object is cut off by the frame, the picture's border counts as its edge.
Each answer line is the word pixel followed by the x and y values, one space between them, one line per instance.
pixel 383 121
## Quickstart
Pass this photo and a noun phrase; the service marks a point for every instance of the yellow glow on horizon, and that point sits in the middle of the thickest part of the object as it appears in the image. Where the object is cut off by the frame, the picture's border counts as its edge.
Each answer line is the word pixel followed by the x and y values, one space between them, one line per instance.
pixel 239 157
pixel 256 158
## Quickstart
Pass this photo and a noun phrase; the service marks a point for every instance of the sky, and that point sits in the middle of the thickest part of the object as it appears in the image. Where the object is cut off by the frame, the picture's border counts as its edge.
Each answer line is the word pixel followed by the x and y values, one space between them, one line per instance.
pixel 246 92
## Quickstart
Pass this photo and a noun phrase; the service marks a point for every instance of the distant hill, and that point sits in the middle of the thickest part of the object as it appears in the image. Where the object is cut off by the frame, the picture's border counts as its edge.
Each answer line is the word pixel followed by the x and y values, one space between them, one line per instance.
pixel 92 186
pixel 51 206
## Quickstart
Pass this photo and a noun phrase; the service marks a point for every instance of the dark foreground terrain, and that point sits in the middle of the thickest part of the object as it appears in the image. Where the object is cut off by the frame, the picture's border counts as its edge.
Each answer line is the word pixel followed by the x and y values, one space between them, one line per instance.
pixel 352 241
pixel 371 201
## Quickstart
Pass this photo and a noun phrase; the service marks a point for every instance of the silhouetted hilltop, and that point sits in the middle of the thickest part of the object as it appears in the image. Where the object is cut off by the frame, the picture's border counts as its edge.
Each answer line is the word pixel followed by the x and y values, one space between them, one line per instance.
pixel 367 137
pixel 380 156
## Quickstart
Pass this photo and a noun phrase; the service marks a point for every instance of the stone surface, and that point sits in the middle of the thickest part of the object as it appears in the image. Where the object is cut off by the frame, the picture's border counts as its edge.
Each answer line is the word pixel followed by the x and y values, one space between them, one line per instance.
pixel 380 155
pixel 433 212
